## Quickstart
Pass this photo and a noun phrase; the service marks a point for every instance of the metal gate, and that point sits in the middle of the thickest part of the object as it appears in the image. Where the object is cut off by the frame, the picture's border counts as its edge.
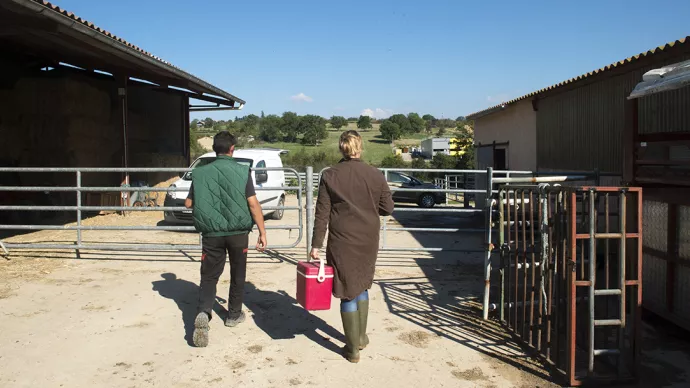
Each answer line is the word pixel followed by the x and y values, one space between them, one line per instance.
pixel 78 191
pixel 570 277
pixel 478 209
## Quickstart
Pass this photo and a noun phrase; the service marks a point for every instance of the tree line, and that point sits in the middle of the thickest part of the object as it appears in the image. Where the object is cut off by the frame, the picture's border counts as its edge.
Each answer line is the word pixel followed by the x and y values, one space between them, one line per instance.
pixel 399 125
pixel 289 127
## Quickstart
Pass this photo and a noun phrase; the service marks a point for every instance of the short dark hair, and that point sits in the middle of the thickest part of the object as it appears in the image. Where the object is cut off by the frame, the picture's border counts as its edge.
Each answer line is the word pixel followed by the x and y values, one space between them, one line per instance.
pixel 223 141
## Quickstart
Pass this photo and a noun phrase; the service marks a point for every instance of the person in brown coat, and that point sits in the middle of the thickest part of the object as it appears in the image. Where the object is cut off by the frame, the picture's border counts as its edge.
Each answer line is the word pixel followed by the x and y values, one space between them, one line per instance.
pixel 352 196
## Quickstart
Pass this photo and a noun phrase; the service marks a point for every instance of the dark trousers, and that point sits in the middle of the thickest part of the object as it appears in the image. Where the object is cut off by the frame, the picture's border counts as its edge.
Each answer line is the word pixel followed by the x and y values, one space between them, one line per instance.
pixel 212 265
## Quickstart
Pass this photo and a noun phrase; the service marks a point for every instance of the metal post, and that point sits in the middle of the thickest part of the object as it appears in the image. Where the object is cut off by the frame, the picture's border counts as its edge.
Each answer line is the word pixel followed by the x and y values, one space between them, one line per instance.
pixel 592 278
pixel 122 92
pixel 465 196
pixel 502 247
pixel 310 207
pixel 78 209
pixel 545 258
pixel 489 245
pixel 622 218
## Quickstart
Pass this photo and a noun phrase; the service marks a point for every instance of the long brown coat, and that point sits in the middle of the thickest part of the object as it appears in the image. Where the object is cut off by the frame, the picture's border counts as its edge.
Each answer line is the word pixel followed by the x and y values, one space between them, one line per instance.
pixel 352 196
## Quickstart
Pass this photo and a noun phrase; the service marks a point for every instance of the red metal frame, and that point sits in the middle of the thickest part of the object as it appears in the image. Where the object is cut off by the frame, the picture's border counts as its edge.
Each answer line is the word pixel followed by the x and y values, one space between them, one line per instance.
pixel 540 328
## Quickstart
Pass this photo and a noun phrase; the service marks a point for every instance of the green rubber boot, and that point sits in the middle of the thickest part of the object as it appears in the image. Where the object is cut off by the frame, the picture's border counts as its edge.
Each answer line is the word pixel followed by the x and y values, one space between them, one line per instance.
pixel 363 310
pixel 351 328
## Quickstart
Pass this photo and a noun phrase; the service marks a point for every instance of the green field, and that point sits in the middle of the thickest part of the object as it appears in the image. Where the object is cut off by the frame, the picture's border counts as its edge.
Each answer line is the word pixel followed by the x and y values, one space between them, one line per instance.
pixel 375 148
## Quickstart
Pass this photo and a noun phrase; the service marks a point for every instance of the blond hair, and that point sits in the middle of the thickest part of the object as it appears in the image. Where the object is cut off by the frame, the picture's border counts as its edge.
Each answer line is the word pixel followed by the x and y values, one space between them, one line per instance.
pixel 350 144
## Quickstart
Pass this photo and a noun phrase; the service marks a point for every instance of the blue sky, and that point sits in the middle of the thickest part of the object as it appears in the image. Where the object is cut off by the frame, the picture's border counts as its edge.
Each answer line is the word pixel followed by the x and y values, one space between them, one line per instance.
pixel 447 58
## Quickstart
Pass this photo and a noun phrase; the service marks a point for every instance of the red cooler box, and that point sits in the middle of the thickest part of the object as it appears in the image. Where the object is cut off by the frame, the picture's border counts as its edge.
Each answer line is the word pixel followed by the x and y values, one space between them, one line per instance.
pixel 314 285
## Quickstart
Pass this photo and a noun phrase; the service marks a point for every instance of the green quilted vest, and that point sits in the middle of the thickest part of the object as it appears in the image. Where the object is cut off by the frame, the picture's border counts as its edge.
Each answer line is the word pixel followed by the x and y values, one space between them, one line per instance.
pixel 220 200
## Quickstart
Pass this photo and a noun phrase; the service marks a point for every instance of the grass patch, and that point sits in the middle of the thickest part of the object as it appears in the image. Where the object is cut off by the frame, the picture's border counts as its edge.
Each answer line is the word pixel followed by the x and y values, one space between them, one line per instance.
pixel 375 148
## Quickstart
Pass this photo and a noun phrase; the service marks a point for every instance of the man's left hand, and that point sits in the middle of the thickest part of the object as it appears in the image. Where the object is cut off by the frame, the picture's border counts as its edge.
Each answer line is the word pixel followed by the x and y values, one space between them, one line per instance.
pixel 261 243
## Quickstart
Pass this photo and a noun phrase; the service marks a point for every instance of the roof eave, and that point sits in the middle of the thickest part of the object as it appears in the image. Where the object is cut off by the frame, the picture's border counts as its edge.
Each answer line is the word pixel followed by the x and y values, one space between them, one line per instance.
pixel 92 33
pixel 488 111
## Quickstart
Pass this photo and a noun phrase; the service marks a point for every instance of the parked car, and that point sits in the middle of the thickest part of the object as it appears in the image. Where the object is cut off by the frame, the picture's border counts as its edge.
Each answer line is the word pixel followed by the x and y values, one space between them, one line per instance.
pixel 253 158
pixel 421 198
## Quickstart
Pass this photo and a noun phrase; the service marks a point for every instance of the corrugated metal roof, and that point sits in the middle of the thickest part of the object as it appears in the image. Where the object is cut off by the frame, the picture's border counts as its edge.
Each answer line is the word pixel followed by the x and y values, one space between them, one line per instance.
pixel 612 66
pixel 203 84
pixel 102 31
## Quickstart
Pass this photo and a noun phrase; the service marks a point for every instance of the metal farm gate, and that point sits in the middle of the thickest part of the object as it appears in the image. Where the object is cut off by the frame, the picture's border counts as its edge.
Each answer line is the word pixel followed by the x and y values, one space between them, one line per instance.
pixel 570 277
pixel 123 205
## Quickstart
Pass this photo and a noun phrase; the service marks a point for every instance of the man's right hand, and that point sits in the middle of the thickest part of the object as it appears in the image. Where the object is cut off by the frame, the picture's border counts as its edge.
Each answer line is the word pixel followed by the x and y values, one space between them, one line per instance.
pixel 261 243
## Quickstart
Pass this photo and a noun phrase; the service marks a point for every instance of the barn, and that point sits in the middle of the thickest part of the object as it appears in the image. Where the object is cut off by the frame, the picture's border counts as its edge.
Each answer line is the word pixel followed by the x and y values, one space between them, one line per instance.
pixel 586 124
pixel 75 95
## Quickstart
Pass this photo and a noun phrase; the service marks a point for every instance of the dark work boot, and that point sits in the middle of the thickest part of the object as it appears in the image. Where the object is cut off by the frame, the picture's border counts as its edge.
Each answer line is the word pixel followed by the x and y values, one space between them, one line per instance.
pixel 363 310
pixel 232 322
pixel 351 328
pixel 200 335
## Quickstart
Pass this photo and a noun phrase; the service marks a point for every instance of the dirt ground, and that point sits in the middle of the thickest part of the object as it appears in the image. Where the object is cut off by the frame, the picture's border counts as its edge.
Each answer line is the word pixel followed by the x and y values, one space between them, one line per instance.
pixel 124 319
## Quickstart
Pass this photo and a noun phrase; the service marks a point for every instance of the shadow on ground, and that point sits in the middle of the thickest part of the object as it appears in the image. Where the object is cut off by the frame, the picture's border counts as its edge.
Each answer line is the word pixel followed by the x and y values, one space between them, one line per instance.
pixel 448 303
pixel 184 293
pixel 281 317
pixel 274 312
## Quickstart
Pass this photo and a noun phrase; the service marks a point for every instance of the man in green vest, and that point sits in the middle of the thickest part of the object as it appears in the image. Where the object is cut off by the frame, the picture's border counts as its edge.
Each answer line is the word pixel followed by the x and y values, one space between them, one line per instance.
pixel 225 208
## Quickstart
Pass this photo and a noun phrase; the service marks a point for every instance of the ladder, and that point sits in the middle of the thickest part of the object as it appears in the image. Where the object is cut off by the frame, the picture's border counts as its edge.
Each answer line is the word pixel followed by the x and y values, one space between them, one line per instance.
pixel 618 322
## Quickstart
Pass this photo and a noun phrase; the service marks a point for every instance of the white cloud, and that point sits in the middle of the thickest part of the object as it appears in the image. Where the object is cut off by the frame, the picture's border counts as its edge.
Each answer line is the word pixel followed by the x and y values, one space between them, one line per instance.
pixel 377 113
pixel 301 98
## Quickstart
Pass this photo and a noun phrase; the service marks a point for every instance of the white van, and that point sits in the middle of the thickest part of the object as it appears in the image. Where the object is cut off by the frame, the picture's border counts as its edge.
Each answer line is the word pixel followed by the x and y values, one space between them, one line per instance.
pixel 252 157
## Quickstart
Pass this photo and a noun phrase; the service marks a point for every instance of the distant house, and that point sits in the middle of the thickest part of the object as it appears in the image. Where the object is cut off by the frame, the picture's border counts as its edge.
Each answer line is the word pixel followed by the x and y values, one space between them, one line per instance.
pixel 435 145
pixel 199 124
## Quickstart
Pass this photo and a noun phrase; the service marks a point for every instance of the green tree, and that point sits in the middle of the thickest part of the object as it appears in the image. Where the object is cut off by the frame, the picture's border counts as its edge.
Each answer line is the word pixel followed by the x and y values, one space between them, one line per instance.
pixel 402 122
pixel 314 129
pixel 270 128
pixel 195 149
pixel 364 123
pixel 417 124
pixel 441 131
pixel 352 119
pixel 420 164
pixel 465 144
pixel 251 124
pixel 393 161
pixel 231 126
pixel 443 162
pixel 390 130
pixel 338 122
pixel 208 122
pixel 194 124
pixel 430 122
pixel 291 126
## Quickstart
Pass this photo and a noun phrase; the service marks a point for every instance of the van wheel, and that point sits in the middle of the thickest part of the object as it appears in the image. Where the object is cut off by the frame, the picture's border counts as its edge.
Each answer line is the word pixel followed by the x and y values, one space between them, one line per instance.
pixel 278 214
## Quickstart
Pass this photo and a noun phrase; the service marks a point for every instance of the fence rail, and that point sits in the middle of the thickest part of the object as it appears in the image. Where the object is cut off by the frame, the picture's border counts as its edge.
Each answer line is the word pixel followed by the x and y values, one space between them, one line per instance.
pixel 78 189
pixel 557 246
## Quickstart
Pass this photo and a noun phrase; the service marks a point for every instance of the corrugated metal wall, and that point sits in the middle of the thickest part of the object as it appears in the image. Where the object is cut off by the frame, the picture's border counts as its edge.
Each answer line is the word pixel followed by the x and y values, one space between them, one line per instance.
pixel 582 129
pixel 665 112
